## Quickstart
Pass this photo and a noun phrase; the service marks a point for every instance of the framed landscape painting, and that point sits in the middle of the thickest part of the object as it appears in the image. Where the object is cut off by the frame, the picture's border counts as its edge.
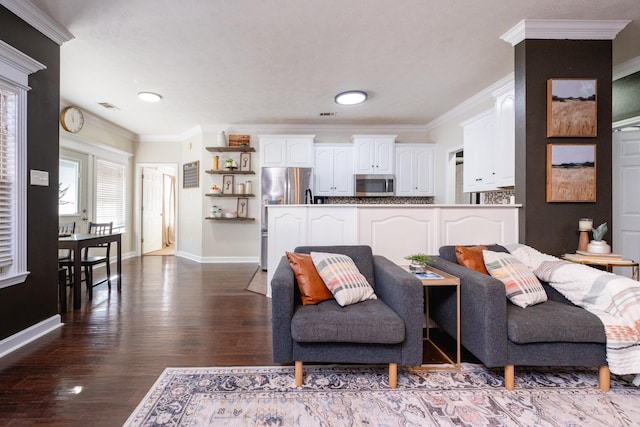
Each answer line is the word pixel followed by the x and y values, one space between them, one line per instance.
pixel 572 107
pixel 571 172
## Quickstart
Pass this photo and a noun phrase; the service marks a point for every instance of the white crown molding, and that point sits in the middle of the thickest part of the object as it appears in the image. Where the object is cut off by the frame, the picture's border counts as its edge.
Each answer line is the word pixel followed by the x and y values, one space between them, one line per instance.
pixel 39 20
pixel 284 128
pixel 472 102
pixel 626 68
pixel 16 66
pixel 562 29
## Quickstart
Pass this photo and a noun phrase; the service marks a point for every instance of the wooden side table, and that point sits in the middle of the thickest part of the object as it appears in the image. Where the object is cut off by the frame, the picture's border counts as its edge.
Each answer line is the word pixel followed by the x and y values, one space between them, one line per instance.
pixel 433 278
pixel 603 262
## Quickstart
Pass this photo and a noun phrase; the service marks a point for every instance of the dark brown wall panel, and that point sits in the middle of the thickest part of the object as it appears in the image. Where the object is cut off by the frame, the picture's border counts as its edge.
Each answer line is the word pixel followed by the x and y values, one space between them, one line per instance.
pixel 35 300
pixel 553 227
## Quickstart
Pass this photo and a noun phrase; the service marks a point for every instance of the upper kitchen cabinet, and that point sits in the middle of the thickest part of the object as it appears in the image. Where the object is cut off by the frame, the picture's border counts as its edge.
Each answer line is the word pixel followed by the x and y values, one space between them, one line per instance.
pixel 333 171
pixel 505 143
pixel 415 170
pixel 479 152
pixel 373 154
pixel 286 150
pixel 489 145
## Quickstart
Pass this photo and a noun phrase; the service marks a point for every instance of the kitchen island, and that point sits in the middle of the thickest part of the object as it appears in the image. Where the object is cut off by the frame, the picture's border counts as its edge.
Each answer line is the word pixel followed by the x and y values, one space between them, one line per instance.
pixel 393 231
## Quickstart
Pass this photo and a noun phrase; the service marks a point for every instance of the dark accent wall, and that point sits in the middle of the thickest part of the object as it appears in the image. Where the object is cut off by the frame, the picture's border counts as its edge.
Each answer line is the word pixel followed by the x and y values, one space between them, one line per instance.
pixel 553 227
pixel 27 304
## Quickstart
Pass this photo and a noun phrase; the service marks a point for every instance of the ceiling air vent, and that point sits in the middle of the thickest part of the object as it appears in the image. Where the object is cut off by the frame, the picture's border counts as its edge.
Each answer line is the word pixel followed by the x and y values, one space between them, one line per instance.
pixel 108 106
pixel 328 114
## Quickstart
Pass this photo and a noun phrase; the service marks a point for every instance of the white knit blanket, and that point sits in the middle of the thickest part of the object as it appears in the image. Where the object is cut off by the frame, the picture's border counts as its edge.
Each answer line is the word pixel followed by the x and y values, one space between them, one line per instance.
pixel 614 299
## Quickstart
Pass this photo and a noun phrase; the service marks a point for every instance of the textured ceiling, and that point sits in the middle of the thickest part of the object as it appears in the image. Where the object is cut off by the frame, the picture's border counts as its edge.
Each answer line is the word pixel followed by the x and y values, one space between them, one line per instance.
pixel 282 61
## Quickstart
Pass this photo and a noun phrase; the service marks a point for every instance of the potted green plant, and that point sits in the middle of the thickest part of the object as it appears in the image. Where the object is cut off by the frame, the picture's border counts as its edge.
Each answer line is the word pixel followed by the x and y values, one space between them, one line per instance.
pixel 228 163
pixel 419 261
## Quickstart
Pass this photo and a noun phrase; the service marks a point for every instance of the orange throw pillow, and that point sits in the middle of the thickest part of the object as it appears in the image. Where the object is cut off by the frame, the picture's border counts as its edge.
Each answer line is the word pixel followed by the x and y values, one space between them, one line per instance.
pixel 312 287
pixel 471 257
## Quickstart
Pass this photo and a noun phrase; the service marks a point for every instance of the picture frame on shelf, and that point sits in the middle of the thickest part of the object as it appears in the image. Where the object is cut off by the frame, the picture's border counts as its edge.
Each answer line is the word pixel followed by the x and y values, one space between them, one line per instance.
pixel 245 161
pixel 571 172
pixel 243 207
pixel 227 184
pixel 572 108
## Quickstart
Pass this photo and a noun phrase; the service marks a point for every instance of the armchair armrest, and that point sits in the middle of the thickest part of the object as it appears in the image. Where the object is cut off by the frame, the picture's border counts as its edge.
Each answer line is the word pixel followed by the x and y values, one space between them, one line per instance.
pixel 403 292
pixel 282 307
pixel 483 312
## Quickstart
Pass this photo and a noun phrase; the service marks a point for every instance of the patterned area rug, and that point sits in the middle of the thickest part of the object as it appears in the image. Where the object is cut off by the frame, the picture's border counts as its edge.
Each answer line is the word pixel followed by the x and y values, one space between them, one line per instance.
pixel 359 396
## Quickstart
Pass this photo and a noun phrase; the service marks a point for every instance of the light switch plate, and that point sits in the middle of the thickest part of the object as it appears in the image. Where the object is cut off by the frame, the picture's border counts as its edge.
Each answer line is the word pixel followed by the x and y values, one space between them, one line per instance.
pixel 39 178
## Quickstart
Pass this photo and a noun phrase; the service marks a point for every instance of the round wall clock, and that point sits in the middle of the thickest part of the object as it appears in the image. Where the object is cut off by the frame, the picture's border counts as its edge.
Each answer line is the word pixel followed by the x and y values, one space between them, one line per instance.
pixel 72 119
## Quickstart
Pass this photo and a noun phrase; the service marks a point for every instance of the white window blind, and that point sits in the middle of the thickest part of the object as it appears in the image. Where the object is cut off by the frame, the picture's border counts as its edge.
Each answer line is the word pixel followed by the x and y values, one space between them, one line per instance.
pixel 7 175
pixel 110 193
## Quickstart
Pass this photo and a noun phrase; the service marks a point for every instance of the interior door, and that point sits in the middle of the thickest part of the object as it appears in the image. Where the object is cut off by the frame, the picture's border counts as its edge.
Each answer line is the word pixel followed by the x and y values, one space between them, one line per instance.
pixel 151 210
pixel 626 197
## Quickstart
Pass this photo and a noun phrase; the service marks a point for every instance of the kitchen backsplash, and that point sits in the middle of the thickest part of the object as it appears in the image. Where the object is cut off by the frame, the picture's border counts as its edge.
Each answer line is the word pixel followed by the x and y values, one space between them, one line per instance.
pixel 489 198
pixel 498 197
pixel 378 200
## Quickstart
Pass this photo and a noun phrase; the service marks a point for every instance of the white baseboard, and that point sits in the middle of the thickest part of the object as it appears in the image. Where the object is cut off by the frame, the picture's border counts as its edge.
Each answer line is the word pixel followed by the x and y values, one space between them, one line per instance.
pixel 28 335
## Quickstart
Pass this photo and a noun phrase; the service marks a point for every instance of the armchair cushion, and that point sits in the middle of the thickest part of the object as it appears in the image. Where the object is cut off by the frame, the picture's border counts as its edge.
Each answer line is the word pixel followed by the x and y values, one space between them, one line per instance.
pixel 342 277
pixel 570 324
pixel 471 257
pixel 370 321
pixel 312 287
pixel 522 286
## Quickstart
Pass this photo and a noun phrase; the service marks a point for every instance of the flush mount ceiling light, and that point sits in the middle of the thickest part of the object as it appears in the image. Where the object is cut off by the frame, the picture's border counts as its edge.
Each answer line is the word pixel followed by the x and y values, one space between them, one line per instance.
pixel 351 97
pixel 149 96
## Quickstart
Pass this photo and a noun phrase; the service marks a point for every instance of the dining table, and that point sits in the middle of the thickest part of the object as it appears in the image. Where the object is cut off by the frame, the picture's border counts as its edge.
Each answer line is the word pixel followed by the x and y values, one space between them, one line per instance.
pixel 76 243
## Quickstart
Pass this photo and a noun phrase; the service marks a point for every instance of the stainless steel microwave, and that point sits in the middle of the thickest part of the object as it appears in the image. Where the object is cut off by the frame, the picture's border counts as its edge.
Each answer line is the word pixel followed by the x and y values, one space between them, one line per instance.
pixel 374 185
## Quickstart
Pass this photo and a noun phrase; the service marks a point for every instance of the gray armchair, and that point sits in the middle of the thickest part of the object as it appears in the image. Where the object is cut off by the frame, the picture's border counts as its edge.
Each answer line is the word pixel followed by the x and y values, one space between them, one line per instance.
pixel 385 330
pixel 501 334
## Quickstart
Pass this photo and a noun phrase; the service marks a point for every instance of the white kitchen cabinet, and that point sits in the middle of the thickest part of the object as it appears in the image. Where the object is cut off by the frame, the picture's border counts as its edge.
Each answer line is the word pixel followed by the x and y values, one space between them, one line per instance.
pixel 505 155
pixel 286 150
pixel 333 170
pixel 374 154
pixel 479 152
pixel 415 170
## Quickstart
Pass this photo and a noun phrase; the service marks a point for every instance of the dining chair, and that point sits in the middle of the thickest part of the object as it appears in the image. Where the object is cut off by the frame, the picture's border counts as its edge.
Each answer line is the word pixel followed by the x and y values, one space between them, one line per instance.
pixel 65 262
pixel 90 259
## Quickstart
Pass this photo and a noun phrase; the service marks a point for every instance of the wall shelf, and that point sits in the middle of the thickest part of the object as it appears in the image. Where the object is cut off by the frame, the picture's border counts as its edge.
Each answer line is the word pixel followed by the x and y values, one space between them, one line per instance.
pixel 229 172
pixel 246 149
pixel 230 195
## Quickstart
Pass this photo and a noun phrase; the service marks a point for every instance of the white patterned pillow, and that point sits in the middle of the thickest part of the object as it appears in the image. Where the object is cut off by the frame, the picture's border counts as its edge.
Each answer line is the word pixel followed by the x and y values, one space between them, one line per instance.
pixel 522 286
pixel 342 277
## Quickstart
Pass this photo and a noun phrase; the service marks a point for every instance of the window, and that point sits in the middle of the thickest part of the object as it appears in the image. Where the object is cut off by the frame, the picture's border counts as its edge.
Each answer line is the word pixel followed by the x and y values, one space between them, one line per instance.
pixel 68 187
pixel 110 193
pixel 7 174
pixel 15 68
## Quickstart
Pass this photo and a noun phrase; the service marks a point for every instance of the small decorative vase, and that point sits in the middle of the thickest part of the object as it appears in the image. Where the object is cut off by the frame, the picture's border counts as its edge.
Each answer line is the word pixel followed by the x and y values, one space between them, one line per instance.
pixel 228 164
pixel 598 247
pixel 222 139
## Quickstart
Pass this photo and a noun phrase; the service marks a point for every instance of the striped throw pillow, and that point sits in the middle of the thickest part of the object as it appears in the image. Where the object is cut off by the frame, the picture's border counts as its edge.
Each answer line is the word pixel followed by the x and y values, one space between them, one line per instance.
pixel 522 286
pixel 342 277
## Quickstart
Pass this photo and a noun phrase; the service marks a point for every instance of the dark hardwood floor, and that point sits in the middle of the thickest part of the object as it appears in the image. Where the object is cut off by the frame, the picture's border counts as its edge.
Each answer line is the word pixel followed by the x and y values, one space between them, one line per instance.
pixel 171 312
pixel 101 363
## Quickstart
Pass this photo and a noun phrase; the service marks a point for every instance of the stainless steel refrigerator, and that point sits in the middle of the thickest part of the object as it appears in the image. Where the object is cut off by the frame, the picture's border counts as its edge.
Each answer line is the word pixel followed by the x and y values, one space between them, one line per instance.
pixel 282 186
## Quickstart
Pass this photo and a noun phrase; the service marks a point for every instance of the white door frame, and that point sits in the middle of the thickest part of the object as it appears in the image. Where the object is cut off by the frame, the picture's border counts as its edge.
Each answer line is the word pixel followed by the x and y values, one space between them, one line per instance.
pixel 137 202
pixel 617 196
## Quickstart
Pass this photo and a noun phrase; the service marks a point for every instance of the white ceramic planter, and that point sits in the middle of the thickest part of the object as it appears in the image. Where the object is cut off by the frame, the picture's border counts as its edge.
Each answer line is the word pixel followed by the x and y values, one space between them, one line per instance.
pixel 598 247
